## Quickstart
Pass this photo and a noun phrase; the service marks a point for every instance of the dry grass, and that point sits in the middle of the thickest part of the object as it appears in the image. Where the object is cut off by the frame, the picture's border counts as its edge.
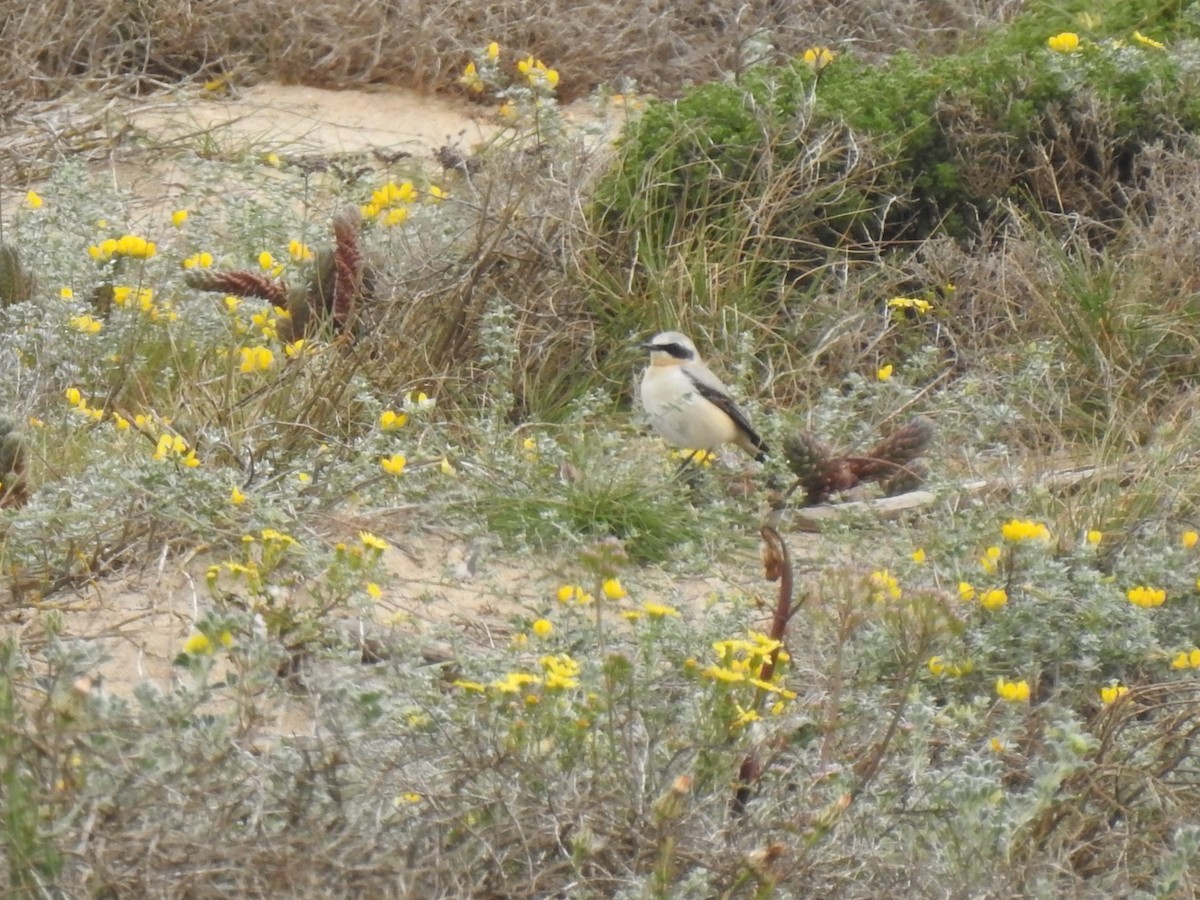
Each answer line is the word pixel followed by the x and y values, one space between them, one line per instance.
pixel 56 47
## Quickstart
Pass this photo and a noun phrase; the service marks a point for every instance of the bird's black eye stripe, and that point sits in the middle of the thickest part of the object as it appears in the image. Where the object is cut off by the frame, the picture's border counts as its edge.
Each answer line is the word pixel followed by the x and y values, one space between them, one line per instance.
pixel 676 350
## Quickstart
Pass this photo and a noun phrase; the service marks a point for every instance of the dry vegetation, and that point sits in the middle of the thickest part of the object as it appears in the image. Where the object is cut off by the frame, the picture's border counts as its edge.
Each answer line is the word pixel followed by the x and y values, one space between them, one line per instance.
pixel 993 696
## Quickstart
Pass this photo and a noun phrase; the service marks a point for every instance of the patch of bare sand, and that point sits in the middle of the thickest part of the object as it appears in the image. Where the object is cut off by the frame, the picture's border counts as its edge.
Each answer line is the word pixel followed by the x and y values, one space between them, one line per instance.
pixel 458 592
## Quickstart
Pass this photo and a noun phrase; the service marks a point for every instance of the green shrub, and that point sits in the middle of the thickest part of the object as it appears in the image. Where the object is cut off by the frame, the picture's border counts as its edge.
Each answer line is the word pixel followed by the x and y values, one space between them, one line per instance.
pixel 863 158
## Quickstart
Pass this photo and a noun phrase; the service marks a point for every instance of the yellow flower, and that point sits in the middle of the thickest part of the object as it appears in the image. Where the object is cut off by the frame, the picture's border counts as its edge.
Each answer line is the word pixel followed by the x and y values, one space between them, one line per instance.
pixel 232 302
pixel 446 467
pixel 1112 693
pixel 66 293
pixel 1012 691
pixel 236 497
pixel 372 542
pixel 390 420
pixel 883 373
pixel 936 665
pixel 1140 38
pixel 1189 539
pixel 120 422
pixel 966 591
pixel 990 560
pixel 73 396
pixel 1018 530
pixel 86 324
pixel 201 260
pixel 493 51
pixel 993 599
pixel 470 78
pixel 543 628
pixel 179 217
pixel 916 304
pixel 884 585
pixel 299 251
pixel 918 556
pixel 612 589
pixel 303 477
pixel 561 671
pixel 1094 537
pixel 266 261
pixel 435 193
pixel 817 58
pixel 1066 42
pixel 419 400
pixel 1146 597
pixel 197 644
pixel 1187 659
pixel 537 74
pixel 256 359
pixel 720 673
pixel 373 590
pixel 996 745
pixel 395 217
pixel 514 682
pixel 469 686
pixel 33 199
pixel 393 464
pixel 659 610
pixel 190 460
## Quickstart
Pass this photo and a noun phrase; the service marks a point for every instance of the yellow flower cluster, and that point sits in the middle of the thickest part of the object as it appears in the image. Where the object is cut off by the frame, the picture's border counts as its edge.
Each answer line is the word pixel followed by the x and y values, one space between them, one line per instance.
pixel 740 659
pixel 33 200
pixel 612 590
pixel 573 593
pixel 939 667
pixel 817 58
pixel 76 399
pixel 299 251
pixel 256 359
pixel 1189 539
pixel 1152 44
pixel 394 464
pixel 993 599
pixel 1012 691
pixel 537 74
pixel 698 457
pixel 200 644
pixel 1186 659
pixel 1112 693
pixel 1019 530
pixel 201 260
pixel 130 245
pixel 86 324
pixel 173 446
pixel 1146 597
pixel 389 204
pixel 1066 42
pixel 390 420
pixel 914 303
pixel 561 672
pixel 884 586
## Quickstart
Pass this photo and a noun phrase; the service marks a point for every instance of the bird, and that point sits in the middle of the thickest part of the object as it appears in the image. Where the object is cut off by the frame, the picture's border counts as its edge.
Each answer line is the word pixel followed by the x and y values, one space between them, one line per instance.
pixel 688 405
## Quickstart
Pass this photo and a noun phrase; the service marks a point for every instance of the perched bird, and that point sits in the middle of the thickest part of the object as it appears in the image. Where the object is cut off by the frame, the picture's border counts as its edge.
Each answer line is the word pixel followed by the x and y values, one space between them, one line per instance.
pixel 687 404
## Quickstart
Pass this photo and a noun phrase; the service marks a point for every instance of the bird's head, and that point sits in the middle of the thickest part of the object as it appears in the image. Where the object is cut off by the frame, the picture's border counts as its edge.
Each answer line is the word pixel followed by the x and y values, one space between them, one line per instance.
pixel 671 348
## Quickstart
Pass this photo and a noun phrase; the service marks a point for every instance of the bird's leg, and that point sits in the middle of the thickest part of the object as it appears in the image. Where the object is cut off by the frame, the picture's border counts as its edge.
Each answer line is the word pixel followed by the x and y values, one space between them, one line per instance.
pixel 687 461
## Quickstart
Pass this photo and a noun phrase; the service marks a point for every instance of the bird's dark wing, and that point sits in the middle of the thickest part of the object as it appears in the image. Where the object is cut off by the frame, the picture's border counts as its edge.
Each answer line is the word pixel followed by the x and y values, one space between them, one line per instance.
pixel 724 402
